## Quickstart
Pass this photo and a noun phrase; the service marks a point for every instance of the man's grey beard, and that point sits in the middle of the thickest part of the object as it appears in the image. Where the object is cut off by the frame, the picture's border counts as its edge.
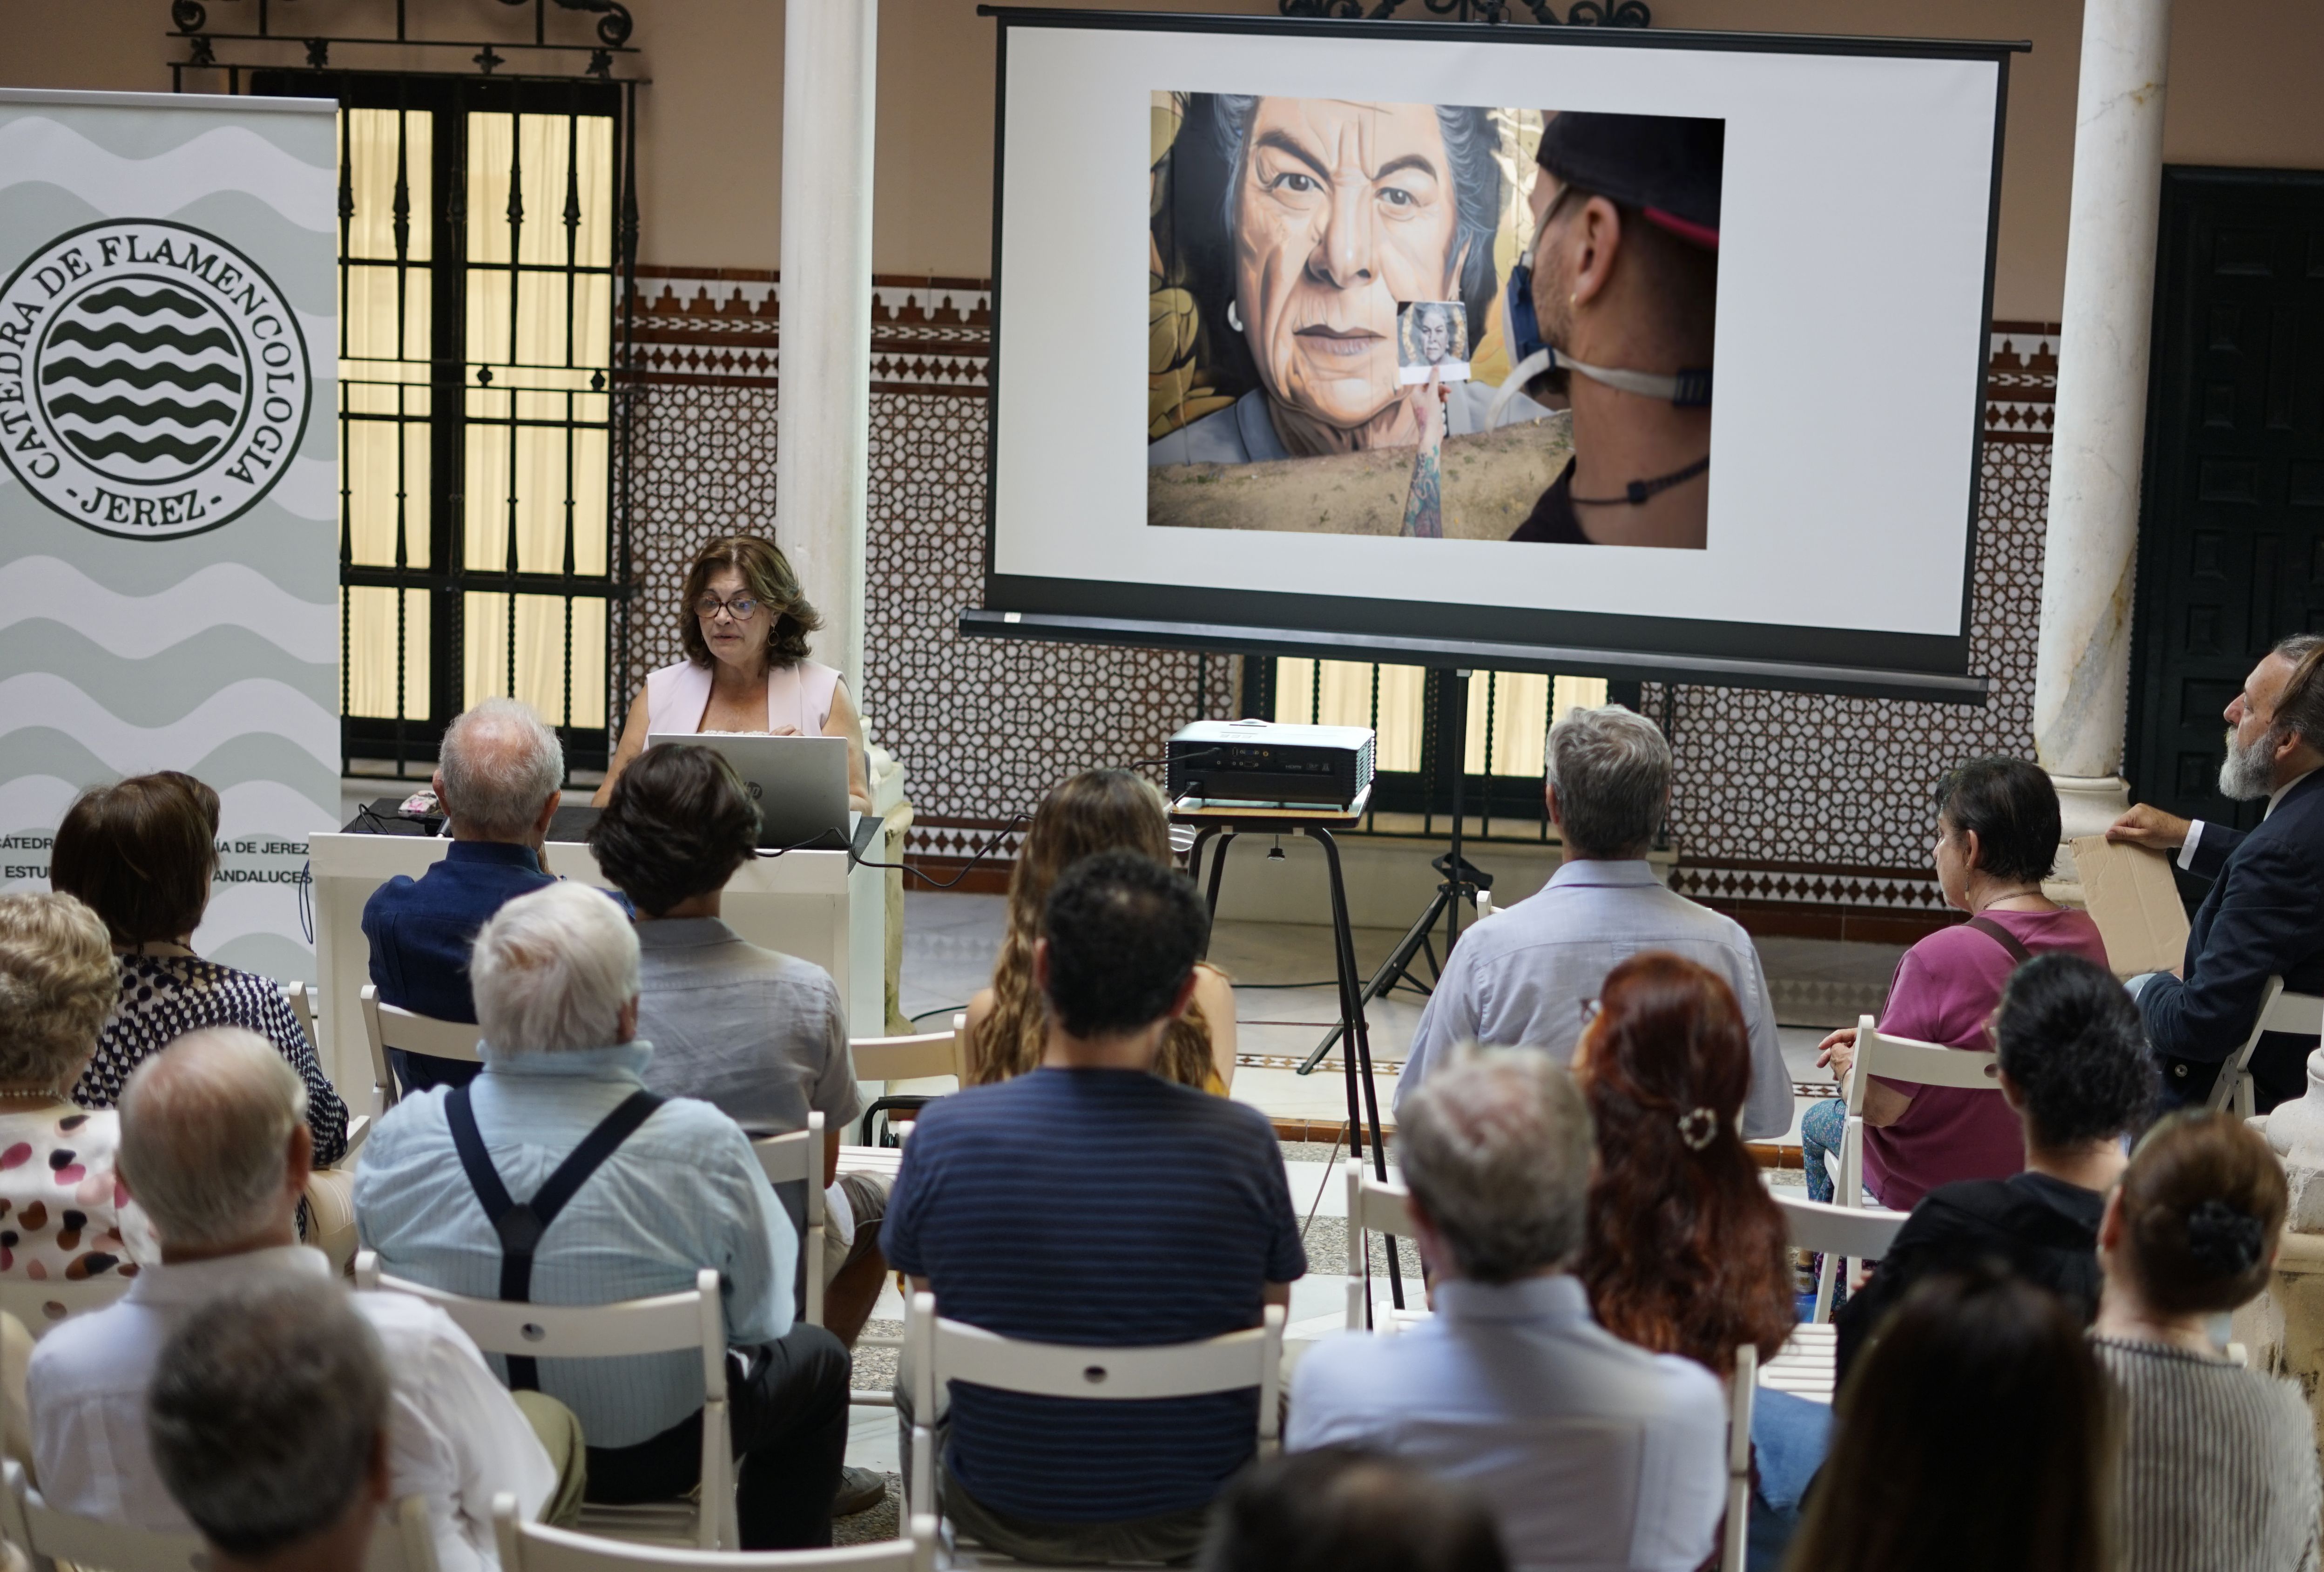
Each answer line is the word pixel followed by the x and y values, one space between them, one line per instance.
pixel 2248 774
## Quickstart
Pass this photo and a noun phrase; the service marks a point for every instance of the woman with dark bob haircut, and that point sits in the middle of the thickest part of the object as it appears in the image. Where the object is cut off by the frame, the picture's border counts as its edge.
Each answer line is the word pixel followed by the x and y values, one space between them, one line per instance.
pixel 141 854
pixel 2076 1070
pixel 1973 1434
pixel 1997 837
pixel 2218 1461
pixel 743 621
pixel 759 1035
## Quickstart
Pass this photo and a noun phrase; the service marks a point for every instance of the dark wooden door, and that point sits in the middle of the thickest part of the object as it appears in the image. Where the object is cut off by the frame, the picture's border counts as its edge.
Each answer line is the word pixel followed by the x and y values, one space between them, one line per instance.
pixel 2231 532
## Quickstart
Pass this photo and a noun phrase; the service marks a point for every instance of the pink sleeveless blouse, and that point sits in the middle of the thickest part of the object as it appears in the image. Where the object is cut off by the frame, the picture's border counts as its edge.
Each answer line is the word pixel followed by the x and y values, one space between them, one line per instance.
pixel 798 698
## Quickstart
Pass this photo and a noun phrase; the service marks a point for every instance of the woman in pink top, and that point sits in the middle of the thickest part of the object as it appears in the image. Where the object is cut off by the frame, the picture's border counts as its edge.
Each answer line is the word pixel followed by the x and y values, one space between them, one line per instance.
pixel 1996 836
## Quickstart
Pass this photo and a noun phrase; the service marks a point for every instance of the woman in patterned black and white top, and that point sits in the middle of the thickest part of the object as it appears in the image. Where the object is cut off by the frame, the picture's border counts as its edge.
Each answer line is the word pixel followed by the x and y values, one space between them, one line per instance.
pixel 64 1216
pixel 141 853
pixel 2217 1471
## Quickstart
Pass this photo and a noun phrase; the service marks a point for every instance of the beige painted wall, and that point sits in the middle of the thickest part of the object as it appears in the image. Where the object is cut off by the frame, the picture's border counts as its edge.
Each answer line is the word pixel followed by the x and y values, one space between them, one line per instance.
pixel 2241 91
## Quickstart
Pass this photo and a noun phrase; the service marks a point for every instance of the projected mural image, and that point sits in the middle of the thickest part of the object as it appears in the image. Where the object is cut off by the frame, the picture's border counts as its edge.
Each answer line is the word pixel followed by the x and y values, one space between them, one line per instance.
pixel 1311 263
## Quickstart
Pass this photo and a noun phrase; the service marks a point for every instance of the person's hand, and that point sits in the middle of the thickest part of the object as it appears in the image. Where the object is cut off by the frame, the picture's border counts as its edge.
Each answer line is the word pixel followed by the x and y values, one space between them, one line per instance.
pixel 2147 825
pixel 1839 1052
pixel 1426 402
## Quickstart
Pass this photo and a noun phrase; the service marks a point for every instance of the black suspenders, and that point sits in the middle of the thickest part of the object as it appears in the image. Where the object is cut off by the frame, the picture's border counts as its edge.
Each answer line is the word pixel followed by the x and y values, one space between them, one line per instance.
pixel 521 1224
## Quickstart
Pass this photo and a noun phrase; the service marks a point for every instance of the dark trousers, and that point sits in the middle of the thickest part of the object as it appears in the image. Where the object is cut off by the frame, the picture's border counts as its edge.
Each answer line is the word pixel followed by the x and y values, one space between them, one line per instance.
pixel 789 1417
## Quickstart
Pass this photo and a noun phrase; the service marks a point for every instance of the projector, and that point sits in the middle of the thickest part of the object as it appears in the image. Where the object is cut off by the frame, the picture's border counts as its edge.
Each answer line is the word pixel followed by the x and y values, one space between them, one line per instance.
pixel 1261 762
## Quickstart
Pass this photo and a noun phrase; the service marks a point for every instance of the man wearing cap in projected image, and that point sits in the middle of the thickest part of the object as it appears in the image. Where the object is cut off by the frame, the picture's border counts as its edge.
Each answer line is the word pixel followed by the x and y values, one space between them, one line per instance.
pixel 1613 308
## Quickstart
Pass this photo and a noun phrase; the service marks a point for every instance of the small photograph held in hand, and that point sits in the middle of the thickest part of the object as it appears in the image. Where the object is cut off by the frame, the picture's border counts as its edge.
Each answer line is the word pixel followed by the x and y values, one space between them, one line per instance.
pixel 1432 335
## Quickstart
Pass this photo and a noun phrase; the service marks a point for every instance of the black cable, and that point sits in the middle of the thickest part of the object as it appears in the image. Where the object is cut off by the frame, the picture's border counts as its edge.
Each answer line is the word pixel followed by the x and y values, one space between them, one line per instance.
pixel 940 1010
pixel 818 838
pixel 983 852
pixel 1180 758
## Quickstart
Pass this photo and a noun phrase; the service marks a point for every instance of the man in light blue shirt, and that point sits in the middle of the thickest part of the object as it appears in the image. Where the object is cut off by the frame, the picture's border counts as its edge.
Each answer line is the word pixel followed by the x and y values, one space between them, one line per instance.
pixel 556 981
pixel 1529 975
pixel 1592 1454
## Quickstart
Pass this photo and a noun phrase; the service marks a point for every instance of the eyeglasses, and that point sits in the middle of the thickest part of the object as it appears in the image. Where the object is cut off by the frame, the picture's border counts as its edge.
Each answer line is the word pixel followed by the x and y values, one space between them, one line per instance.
pixel 739 608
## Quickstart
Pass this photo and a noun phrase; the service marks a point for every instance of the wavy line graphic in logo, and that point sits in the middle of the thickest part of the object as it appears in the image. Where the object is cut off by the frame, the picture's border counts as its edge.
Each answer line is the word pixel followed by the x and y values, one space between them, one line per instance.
pixel 153 383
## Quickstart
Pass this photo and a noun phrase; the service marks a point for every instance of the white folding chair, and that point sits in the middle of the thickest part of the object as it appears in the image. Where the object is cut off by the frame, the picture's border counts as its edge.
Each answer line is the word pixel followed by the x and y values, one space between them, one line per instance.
pixel 1742 1389
pixel 2302 1015
pixel 938 1352
pixel 797 1158
pixel 1374 1207
pixel 904 1065
pixel 1896 1058
pixel 387 1026
pixel 302 1000
pixel 41 1305
pixel 529 1547
pixel 692 1321
pixel 1806 1364
pixel 48 1535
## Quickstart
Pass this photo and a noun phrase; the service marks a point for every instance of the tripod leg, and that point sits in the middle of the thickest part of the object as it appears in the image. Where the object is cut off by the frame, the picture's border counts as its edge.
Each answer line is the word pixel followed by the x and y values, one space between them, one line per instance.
pixel 1358 1064
pixel 1390 972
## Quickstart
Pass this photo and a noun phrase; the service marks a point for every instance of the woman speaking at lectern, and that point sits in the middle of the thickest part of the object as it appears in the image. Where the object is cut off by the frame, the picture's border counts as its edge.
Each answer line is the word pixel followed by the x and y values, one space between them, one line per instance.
pixel 744 628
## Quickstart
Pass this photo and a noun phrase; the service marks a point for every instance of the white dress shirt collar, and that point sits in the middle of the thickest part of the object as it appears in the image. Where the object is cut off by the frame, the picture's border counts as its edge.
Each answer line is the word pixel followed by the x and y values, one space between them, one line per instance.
pixel 1621 873
pixel 1554 1295
pixel 186 1283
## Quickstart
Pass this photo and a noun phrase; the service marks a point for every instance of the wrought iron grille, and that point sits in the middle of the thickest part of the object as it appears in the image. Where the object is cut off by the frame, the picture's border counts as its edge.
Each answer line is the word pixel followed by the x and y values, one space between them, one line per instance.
pixel 487 228
pixel 1509 714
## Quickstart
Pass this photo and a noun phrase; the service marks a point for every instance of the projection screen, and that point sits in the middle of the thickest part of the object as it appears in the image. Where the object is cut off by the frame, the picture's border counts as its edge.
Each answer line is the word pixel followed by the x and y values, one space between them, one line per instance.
pixel 1236 261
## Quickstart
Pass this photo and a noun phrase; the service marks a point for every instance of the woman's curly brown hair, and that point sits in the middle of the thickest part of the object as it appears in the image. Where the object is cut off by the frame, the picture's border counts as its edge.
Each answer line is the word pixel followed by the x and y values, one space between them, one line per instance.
pixel 1099 810
pixel 767 574
pixel 1687 1253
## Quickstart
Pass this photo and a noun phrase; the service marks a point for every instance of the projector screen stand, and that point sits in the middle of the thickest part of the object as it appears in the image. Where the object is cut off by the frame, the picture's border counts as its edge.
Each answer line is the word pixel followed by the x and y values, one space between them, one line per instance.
pixel 1222 822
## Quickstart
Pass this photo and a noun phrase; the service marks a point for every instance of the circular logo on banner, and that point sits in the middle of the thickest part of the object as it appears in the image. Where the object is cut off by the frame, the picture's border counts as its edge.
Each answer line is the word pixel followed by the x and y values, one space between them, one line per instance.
pixel 154 381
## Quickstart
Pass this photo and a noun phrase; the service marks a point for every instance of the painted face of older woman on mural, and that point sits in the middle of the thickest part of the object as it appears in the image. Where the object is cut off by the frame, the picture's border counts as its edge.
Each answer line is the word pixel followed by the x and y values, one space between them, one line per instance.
pixel 1341 212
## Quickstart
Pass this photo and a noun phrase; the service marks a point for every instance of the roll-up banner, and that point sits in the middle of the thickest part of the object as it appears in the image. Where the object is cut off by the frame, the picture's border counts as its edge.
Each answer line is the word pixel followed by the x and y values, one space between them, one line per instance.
pixel 169 480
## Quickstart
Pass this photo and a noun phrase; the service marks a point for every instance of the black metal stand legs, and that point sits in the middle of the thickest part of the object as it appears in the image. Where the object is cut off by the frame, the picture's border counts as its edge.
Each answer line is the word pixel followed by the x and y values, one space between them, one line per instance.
pixel 1363 1096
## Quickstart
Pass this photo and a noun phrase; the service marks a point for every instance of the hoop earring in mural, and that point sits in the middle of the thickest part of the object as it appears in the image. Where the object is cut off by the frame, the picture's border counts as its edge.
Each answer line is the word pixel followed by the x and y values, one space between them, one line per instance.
pixel 1234 319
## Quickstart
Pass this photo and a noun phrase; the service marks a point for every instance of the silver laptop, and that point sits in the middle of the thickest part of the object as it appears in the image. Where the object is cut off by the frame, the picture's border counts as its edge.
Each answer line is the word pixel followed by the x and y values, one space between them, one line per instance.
pixel 799 783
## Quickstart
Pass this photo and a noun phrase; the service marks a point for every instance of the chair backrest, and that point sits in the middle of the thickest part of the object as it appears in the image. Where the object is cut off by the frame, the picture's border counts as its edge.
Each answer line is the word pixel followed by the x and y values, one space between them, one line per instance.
pixel 1742 1390
pixel 41 1305
pixel 938 1351
pixel 1857 1232
pixel 1374 1207
pixel 797 1158
pixel 404 1544
pixel 2302 1015
pixel 392 1026
pixel 919 1057
pixel 693 1319
pixel 529 1547
pixel 302 999
pixel 1921 1064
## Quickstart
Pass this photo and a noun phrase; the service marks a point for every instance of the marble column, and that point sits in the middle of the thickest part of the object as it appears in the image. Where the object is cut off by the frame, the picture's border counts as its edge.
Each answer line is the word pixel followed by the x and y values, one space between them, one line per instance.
pixel 2081 678
pixel 823 438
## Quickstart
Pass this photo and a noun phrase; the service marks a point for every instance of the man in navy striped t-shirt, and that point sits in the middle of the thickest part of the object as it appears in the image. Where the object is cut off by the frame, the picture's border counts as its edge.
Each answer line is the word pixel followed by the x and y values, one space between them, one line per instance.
pixel 1179 1228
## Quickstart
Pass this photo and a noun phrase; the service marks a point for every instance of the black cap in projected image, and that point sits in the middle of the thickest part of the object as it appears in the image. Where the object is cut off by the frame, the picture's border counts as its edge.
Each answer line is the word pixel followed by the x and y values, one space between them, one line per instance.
pixel 1665 165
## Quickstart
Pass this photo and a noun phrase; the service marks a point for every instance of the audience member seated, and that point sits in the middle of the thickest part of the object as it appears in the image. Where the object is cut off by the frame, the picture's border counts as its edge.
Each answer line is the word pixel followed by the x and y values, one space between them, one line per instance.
pixel 1973 1434
pixel 1686 1252
pixel 2263 915
pixel 2218 1462
pixel 759 1036
pixel 270 1425
pixel 1997 837
pixel 2076 1070
pixel 1341 1509
pixel 1098 810
pixel 141 853
pixel 497 784
pixel 214 1146
pixel 65 1216
pixel 653 1191
pixel 1593 1452
pixel 1527 977
pixel 1091 1201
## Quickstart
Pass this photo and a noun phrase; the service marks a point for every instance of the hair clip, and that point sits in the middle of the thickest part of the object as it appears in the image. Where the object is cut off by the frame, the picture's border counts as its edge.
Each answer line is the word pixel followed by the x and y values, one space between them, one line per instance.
pixel 1697 1128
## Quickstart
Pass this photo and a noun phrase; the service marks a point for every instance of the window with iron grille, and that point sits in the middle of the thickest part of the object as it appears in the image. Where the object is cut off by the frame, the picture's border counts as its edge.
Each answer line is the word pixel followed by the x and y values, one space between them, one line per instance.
pixel 482 229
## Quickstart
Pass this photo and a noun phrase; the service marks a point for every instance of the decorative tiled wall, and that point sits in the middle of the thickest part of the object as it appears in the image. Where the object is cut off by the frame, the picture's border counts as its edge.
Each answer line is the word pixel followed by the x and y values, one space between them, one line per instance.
pixel 1797 800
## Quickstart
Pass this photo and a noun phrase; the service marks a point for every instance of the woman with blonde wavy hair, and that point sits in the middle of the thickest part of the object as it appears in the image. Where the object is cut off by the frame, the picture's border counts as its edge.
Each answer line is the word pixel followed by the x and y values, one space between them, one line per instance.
pixel 1098 810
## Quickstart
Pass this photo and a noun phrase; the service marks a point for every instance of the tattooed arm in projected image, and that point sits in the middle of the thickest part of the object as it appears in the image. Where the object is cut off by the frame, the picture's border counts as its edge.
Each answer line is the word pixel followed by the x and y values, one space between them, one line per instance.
pixel 1424 506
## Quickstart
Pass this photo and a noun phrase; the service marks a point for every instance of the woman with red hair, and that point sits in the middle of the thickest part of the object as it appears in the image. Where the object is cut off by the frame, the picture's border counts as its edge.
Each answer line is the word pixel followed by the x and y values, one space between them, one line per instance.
pixel 1686 1252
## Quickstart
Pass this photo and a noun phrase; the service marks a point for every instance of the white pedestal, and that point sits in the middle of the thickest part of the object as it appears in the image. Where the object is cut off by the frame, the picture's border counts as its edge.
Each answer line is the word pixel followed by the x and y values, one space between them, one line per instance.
pixel 811 904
